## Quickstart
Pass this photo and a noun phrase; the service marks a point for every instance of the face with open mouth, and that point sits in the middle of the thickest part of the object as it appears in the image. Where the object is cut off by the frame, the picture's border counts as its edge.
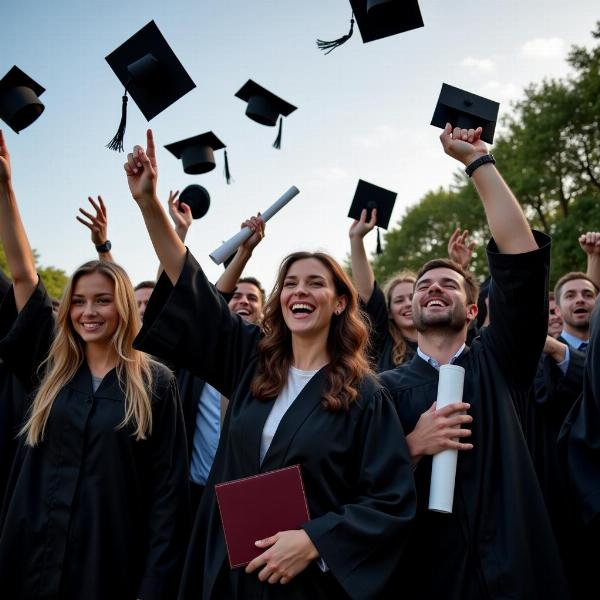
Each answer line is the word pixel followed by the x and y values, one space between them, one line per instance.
pixel 401 305
pixel 308 298
pixel 93 310
pixel 246 302
pixel 555 322
pixel 577 299
pixel 440 301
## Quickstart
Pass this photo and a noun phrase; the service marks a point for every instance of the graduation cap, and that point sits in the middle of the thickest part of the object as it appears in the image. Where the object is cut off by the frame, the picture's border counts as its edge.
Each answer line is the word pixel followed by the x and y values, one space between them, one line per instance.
pixel 264 107
pixel 150 73
pixel 377 19
pixel 19 102
pixel 466 110
pixel 369 196
pixel 197 154
pixel 197 198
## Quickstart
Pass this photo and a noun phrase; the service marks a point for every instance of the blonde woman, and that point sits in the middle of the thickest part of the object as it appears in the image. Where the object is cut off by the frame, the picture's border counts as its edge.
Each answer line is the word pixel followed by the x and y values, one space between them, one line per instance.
pixel 96 505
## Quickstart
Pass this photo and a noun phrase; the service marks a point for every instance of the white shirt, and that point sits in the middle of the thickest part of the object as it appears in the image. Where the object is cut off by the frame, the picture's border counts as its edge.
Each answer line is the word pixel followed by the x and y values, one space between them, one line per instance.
pixel 296 381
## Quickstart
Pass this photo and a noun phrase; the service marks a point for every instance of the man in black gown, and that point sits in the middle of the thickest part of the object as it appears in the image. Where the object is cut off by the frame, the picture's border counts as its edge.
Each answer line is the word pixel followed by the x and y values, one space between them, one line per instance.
pixel 498 542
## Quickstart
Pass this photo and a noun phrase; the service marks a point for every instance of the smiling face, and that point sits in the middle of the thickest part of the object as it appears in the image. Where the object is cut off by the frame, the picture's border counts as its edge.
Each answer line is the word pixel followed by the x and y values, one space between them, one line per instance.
pixel 555 322
pixel 308 298
pixel 440 302
pixel 400 305
pixel 247 302
pixel 93 311
pixel 576 303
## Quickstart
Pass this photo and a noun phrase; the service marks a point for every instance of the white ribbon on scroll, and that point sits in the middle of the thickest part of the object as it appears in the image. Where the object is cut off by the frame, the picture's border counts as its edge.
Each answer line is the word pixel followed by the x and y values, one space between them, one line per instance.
pixel 231 245
pixel 443 465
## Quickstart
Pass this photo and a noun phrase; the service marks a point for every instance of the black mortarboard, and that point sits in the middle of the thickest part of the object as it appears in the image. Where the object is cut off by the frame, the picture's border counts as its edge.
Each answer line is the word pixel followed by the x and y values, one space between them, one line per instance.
pixel 197 198
pixel 264 107
pixel 369 196
pixel 150 73
pixel 377 19
pixel 19 102
pixel 467 111
pixel 197 154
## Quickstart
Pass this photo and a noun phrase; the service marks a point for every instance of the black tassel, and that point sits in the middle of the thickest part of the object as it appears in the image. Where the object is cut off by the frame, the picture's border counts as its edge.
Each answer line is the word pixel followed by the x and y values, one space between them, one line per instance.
pixel 117 142
pixel 277 142
pixel 331 46
pixel 226 170
pixel 379 249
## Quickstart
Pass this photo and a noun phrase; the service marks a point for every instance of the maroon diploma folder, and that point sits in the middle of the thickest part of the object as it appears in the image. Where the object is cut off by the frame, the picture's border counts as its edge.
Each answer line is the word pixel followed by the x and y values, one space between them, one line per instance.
pixel 258 507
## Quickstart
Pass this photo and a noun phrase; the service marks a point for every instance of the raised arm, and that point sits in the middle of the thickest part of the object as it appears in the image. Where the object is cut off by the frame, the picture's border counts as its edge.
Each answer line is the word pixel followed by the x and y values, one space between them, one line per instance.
pixel 460 250
pixel 505 217
pixel 227 283
pixel 142 175
pixel 12 233
pixel 590 244
pixel 362 273
pixel 98 226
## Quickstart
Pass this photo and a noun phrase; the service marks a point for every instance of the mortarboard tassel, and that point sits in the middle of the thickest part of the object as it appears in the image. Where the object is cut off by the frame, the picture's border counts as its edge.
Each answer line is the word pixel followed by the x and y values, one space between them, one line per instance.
pixel 331 46
pixel 116 143
pixel 277 142
pixel 226 170
pixel 379 249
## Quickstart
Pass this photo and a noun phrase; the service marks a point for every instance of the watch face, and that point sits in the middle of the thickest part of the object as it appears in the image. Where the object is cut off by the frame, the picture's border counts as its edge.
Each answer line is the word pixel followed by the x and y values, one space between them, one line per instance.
pixel 108 245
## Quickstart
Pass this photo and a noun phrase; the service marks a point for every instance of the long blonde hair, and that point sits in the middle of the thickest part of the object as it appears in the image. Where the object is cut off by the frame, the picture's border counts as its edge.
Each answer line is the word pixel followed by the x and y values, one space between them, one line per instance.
pixel 399 345
pixel 67 354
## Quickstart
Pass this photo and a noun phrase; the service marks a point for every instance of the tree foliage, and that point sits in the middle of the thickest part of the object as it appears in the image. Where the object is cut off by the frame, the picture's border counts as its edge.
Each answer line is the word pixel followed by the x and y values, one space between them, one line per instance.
pixel 550 157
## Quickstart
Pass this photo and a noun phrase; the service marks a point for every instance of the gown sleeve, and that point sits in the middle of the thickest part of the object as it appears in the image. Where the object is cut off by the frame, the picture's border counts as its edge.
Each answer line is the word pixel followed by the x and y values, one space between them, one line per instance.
pixel 169 516
pixel 518 310
pixel 190 326
pixel 362 542
pixel 26 336
pixel 377 311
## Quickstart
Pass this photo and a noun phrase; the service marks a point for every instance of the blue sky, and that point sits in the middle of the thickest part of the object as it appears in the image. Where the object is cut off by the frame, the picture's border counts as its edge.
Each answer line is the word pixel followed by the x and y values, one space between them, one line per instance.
pixel 364 111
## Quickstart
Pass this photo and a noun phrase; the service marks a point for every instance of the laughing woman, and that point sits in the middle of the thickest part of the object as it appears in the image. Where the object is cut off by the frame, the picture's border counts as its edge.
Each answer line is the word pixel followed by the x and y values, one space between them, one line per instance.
pixel 96 502
pixel 302 393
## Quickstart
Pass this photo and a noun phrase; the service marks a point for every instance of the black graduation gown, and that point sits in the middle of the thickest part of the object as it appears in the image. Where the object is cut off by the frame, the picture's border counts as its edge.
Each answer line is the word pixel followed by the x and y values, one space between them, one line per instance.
pixel 355 464
pixel 91 512
pixel 381 339
pixel 498 542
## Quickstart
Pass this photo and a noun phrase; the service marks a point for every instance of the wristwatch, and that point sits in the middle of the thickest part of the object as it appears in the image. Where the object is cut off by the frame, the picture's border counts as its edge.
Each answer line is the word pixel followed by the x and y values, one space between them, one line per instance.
pixel 482 160
pixel 104 248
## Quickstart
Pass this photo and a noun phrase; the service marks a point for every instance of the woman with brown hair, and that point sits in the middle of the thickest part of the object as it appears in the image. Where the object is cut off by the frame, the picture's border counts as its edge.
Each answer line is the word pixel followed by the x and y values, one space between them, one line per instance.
pixel 393 334
pixel 300 393
pixel 96 503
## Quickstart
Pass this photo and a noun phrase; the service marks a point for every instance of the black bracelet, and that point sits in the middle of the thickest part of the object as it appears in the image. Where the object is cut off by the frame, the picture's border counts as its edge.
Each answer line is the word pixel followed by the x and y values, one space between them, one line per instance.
pixel 104 248
pixel 482 160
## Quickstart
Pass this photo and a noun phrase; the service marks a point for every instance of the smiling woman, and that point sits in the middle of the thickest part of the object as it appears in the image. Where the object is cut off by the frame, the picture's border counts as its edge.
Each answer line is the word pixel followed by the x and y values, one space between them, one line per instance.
pixel 301 393
pixel 96 506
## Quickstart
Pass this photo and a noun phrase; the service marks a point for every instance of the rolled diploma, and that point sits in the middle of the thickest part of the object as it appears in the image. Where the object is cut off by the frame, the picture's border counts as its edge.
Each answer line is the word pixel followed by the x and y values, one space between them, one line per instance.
pixel 443 466
pixel 226 249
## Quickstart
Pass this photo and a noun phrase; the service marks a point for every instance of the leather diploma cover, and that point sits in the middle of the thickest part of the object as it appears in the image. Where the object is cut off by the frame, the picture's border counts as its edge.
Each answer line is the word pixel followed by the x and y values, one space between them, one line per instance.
pixel 258 507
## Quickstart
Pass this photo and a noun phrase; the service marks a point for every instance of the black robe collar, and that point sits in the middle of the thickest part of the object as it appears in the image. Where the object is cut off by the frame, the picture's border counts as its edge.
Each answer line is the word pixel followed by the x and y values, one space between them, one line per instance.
pixel 108 388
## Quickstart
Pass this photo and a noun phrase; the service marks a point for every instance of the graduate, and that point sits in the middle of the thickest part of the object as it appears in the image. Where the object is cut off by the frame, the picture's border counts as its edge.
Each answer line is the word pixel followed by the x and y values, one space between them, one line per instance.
pixel 97 501
pixel 393 333
pixel 301 393
pixel 497 542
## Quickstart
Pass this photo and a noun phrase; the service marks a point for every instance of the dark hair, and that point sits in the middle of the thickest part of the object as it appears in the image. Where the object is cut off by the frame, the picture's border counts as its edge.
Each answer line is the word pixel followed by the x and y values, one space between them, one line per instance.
pixel 570 277
pixel 471 286
pixel 256 283
pixel 145 285
pixel 346 344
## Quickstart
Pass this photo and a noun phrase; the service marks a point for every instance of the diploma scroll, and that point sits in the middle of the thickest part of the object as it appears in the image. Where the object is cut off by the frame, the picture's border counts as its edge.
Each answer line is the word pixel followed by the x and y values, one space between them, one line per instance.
pixel 231 245
pixel 443 466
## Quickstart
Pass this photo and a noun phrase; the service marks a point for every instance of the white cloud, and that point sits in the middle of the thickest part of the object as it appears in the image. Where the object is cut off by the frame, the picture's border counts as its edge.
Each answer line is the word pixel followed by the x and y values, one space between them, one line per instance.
pixel 544 48
pixel 502 92
pixel 331 173
pixel 376 138
pixel 481 64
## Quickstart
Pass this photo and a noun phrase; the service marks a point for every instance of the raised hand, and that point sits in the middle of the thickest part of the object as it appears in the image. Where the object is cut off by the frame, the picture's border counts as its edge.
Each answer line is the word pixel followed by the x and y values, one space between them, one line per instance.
pixel 257 225
pixel 289 553
pixel 97 224
pixel 590 243
pixel 5 170
pixel 438 430
pixel 465 145
pixel 181 214
pixel 460 250
pixel 142 170
pixel 360 228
